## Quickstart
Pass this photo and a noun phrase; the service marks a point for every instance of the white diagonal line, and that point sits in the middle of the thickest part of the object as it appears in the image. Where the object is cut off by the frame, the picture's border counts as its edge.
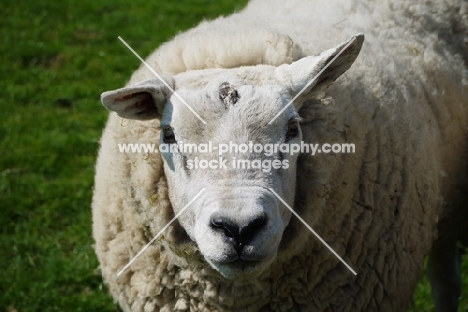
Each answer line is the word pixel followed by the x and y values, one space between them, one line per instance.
pixel 162 80
pixel 160 232
pixel 313 232
pixel 312 80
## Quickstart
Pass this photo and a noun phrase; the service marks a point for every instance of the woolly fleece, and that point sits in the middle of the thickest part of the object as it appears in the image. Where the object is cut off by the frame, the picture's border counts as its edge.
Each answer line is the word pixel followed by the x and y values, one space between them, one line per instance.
pixel 403 104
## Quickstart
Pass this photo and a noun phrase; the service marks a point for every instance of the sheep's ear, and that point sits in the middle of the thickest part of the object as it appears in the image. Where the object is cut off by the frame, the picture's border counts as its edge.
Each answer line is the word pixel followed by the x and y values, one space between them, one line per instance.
pixel 142 101
pixel 312 75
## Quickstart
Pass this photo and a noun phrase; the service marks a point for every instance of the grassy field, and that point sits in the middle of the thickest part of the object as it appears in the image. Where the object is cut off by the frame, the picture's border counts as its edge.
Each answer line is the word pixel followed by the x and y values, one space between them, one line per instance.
pixel 57 57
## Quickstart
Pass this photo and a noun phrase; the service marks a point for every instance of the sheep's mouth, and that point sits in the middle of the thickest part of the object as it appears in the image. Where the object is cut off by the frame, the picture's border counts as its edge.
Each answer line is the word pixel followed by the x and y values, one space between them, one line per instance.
pixel 239 260
pixel 240 267
pixel 243 257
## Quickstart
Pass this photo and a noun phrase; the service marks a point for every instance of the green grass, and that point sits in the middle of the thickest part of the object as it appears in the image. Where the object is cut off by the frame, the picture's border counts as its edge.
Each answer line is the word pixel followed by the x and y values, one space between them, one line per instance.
pixel 422 298
pixel 57 57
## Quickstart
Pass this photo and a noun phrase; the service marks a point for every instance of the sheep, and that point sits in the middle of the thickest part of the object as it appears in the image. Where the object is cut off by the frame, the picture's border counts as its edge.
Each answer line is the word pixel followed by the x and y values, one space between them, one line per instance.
pixel 400 97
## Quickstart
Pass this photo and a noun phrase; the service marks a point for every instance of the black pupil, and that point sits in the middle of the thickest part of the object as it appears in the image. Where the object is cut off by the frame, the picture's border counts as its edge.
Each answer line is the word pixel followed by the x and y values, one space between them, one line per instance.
pixel 169 135
pixel 293 129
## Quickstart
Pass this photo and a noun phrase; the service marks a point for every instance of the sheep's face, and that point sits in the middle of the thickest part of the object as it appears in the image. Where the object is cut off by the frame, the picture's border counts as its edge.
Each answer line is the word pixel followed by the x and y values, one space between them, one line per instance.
pixel 237 222
pixel 237 150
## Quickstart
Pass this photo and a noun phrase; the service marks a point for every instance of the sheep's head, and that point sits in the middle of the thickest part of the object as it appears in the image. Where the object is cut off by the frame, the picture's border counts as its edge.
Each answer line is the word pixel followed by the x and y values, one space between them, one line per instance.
pixel 237 222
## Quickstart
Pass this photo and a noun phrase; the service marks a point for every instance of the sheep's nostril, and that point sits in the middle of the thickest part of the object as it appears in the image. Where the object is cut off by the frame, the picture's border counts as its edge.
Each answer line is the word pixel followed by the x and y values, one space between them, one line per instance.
pixel 229 228
pixel 238 235
pixel 248 231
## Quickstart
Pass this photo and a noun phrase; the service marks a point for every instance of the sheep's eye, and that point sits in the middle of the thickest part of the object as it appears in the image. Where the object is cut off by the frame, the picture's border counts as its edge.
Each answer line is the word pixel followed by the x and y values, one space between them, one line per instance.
pixel 168 135
pixel 293 130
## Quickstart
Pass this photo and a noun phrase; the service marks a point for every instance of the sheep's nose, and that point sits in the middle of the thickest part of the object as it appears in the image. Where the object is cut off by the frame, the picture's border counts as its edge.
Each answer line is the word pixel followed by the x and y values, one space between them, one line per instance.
pixel 238 234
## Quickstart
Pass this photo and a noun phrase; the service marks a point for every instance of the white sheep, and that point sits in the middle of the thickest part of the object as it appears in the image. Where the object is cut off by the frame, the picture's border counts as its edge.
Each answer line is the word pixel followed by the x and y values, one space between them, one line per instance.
pixel 237 247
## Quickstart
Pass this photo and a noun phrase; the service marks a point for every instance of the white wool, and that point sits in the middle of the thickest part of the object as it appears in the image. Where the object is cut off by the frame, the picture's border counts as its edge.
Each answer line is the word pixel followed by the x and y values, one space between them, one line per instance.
pixel 403 104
